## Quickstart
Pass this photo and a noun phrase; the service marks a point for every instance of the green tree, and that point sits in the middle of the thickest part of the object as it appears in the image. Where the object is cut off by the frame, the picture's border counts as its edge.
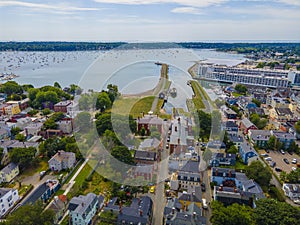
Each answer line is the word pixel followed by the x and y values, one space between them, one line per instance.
pixel 83 121
pixel 293 147
pixel 46 111
pixel 103 102
pixel 113 92
pixel 20 137
pixel 122 154
pixel 84 102
pixel 232 150
pixel 103 123
pixel 23 156
pixel 257 171
pixel 32 92
pixel 241 89
pixel 11 87
pixel 50 124
pixel 31 215
pixel 33 112
pixel 234 214
pixel 271 142
pixel 57 85
pixel 271 212
pixel 14 131
pixel 257 102
pixel 258 121
pixel 294 176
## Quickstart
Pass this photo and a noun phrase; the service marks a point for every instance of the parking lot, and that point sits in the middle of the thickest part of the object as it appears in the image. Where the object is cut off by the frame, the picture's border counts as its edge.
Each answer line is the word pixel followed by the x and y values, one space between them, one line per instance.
pixel 278 158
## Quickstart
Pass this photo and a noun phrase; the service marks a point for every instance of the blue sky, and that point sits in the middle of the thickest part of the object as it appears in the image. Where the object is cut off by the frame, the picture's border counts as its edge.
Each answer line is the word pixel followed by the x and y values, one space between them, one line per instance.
pixel 149 20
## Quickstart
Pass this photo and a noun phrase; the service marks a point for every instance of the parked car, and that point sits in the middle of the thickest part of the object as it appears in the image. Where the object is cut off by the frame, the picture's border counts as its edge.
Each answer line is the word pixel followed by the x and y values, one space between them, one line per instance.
pixel 267 151
pixel 286 161
pixel 268 159
pixel 272 164
pixel 204 203
pixel 282 152
pixel 277 169
pixel 264 155
pixel 291 153
pixel 294 168
pixel 203 187
pixel 297 201
pixel 294 161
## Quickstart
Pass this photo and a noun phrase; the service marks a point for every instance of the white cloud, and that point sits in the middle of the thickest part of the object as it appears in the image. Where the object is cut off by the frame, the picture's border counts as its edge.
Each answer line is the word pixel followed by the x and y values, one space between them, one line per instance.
pixel 290 2
pixel 187 10
pixel 192 3
pixel 60 7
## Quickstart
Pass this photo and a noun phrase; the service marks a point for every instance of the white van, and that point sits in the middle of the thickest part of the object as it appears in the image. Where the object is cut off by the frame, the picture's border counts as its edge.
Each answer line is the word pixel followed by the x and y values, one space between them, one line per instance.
pixel 204 203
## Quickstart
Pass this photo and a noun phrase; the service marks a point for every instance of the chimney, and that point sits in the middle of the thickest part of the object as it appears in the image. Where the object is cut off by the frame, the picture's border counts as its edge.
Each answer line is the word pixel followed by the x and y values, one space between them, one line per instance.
pixel 141 212
pixel 173 210
pixel 216 172
pixel 82 204
pixel 143 114
pixel 178 141
pixel 229 173
pixel 221 187
pixel 175 128
pixel 178 120
pixel 194 215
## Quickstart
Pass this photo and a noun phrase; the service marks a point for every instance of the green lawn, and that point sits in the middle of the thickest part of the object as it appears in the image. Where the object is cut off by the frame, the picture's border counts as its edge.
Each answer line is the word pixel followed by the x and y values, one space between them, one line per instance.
pixel 31 170
pixel 235 94
pixel 74 171
pixel 86 170
pixel 197 99
pixel 135 106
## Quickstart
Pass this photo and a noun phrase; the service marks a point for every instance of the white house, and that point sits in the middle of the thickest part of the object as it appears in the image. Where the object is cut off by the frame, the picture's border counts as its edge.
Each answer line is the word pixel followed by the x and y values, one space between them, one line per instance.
pixel 62 160
pixel 8 197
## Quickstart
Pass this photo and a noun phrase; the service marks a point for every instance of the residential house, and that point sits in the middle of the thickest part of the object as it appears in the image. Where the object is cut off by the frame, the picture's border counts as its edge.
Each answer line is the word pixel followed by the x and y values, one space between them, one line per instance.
pixel 234 187
pixel 66 126
pixel 278 102
pixel 73 109
pixel 262 97
pixel 192 196
pixel 150 144
pixel 216 145
pixel 62 106
pixel 33 129
pixel 190 215
pixel 23 122
pixel 23 104
pixel 149 121
pixel 291 190
pixel 237 140
pixel 8 198
pixel 58 206
pixel 230 114
pixel 43 192
pixel 246 125
pixel 10 110
pixel 180 135
pixel 4 133
pixel 258 111
pixel 224 159
pixel 189 174
pixel 143 171
pixel 285 138
pixel 9 172
pixel 144 157
pixel 247 153
pixel 62 160
pixel 281 114
pixel 140 212
pixel 222 175
pixel 230 126
pixel 83 208
pixel 259 138
pixel 50 133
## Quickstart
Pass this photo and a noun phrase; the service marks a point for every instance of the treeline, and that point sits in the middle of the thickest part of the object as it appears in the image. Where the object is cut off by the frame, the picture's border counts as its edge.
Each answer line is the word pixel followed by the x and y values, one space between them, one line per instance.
pixel 57 46
pixel 245 48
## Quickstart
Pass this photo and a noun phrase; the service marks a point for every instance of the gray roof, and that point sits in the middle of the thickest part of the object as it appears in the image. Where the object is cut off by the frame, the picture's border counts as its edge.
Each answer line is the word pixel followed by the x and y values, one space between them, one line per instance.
pixel 81 203
pixel 9 168
pixel 247 123
pixel 235 138
pixel 279 134
pixel 4 191
pixel 149 143
pixel 145 155
pixel 260 135
pixel 191 166
pixel 247 147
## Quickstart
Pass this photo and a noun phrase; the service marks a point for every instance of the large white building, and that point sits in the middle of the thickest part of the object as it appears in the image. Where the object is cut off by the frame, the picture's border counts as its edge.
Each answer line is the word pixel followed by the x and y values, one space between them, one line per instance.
pixel 8 197
pixel 260 77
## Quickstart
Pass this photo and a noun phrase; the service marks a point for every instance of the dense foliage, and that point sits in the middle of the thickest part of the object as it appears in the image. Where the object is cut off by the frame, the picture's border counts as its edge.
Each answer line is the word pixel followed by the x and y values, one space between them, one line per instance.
pixel 257 171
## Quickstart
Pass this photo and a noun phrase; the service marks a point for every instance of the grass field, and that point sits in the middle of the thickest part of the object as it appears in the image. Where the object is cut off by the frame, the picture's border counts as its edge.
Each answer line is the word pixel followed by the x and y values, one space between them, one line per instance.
pixel 84 173
pixel 197 99
pixel 136 106
pixel 30 171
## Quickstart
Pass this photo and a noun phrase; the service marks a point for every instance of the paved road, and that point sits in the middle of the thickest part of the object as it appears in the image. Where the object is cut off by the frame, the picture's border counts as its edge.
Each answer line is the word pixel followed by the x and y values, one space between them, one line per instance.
pixel 159 198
